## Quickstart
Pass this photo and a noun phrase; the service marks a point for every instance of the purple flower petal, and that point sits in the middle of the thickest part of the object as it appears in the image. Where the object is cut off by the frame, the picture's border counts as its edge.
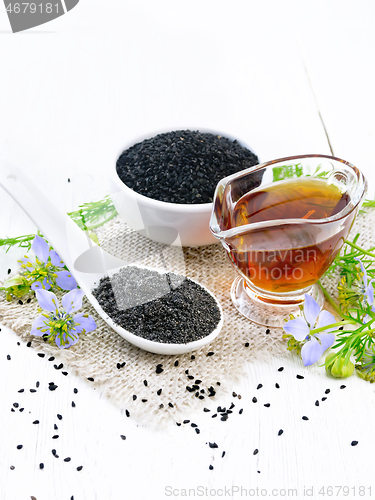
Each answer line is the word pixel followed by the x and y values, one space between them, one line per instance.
pixel 298 328
pixel 325 319
pixel 311 352
pixel 40 286
pixel 65 280
pixel 55 259
pixel 40 248
pixel 68 340
pixel 72 301
pixel 39 323
pixel 81 323
pixel 370 293
pixel 363 270
pixel 326 340
pixel 311 310
pixel 47 300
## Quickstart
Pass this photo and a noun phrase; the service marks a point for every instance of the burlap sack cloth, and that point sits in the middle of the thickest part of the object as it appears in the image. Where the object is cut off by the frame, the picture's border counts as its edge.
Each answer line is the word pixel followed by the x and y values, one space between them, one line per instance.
pixel 97 353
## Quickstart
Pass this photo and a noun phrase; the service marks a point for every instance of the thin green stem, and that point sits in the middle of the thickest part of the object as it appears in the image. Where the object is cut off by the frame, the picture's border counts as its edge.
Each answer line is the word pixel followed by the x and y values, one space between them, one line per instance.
pixel 360 249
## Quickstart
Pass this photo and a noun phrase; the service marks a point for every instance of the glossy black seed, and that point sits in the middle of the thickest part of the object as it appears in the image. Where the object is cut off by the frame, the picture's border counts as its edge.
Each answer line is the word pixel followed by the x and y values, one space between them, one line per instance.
pixel 241 411
pixel 210 353
pixel 28 344
pixel 41 466
pixel 178 424
pixel 206 410
pixel 259 386
pixel 198 381
pixel 194 425
pixel 12 409
pixel 300 377
pixel 75 391
pixel 9 271
pixel 268 331
pixel 55 427
pixel 211 467
pixel 16 405
pixel 41 354
pixel 21 390
pixel 37 384
pixel 182 166
pixel 234 394
pixel 73 404
pixel 21 409
pixel 20 302
pixel 277 386
pixel 316 403
pixel 254 400
pixel 267 405
pixel 122 437
pixel 224 417
pixel 280 432
pixel 213 445
pixel 342 386
pixel 8 357
pixel 323 399
pixel 12 467
pixel 51 358
pixel 80 467
pixel 190 377
pixel 159 391
pixel 192 357
pixel 145 383
pixel 305 418
pixel 186 422
pixel 32 390
pixel 223 454
pixel 354 443
pixel 327 391
pixel 65 373
pixel 28 301
pixel 280 369
pixel 176 363
pixel 247 344
pixel 54 453
pixel 52 387
pixel 170 405
pixel 68 179
pixel 59 416
pixel 159 368
pixel 255 452
pixel 197 431
pixel 19 446
pixel 127 413
pixel 90 379
pixel 56 436
pixel 214 415
pixel 67 459
pixel 232 406
pixel 36 422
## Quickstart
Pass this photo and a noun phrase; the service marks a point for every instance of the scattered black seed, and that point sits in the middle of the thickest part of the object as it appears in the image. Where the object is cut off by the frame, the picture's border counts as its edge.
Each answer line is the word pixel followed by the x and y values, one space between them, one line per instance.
pixel 161 406
pixel 197 431
pixel 341 328
pixel 210 353
pixel 300 377
pixel 145 383
pixel 19 446
pixel 41 354
pixel 254 400
pixel 59 416
pixel 12 467
pixel 247 344
pixel 186 422
pixel 342 386
pixel 232 406
pixel 75 391
pixel 305 418
pixel 192 357
pixel 323 399
pixel 21 409
pixel 52 386
pixel 234 394
pixel 176 363
pixel 51 358
pixel 12 409
pixel 259 386
pixel 213 445
pixel 267 405
pixel 223 454
pixel 127 413
pixel 37 384
pixel 190 377
pixel 218 383
pixel 55 427
pixel 36 422
pixel 280 432
pixel 211 467
pixel 32 390
pixel 241 411
pixel 327 391
pixel 268 331
pixel 182 166
pixel 20 302
pixel 198 381
pixel 211 392
pixel 18 343
pixel 56 436
pixel 280 369
pixel 54 453
pixel 80 467
pixel 316 403
pixel 41 466
pixel 21 390
pixel 277 386
pixel 170 405
pixel 178 423
pixel 91 379
pixel 9 271
pixel 28 301
pixel 16 405
pixel 224 417
pixel 122 437
pixel 67 459
pixel 65 373
pixel 190 389
pixel 354 443
pixel 8 357
pixel 159 368
pixel 255 452
pixel 134 397
pixel 206 410
pixel 214 415
pixel 28 344
pixel 68 179
pixel 73 404
pixel 194 425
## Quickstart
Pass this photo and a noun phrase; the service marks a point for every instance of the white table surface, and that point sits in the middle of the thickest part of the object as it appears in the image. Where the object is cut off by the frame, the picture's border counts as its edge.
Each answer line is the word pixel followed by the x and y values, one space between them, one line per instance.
pixel 285 77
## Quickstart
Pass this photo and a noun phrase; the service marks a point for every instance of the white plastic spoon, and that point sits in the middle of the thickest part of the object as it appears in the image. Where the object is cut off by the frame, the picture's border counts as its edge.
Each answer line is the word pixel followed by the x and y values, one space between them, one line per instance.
pixel 87 262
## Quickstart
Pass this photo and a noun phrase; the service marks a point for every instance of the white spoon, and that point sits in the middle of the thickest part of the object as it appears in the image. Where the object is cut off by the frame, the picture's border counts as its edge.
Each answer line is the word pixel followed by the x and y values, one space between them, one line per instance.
pixel 87 262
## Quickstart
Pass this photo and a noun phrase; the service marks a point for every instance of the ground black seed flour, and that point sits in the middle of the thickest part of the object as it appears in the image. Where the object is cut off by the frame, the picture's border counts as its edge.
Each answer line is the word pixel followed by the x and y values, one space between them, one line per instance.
pixel 166 308
pixel 182 166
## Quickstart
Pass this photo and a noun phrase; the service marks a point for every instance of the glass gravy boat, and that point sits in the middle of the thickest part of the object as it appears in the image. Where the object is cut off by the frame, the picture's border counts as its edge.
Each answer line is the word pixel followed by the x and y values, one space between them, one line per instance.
pixel 282 223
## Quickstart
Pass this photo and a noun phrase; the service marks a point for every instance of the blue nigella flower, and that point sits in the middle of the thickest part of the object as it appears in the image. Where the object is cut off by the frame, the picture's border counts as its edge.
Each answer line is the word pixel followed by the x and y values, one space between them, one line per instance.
pixel 367 288
pixel 314 344
pixel 59 324
pixel 45 272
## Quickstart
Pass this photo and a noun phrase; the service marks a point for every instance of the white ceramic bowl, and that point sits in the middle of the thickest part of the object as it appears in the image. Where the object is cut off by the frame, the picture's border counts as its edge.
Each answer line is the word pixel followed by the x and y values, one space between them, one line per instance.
pixel 169 223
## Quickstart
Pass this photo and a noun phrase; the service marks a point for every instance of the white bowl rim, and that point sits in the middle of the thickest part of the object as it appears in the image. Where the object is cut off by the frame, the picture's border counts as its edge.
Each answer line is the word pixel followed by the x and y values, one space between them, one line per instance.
pixel 165 205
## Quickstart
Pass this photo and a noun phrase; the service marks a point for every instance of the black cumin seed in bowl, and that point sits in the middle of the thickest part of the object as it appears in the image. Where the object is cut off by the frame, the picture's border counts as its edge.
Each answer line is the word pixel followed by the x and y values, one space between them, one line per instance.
pixel 172 313
pixel 182 166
